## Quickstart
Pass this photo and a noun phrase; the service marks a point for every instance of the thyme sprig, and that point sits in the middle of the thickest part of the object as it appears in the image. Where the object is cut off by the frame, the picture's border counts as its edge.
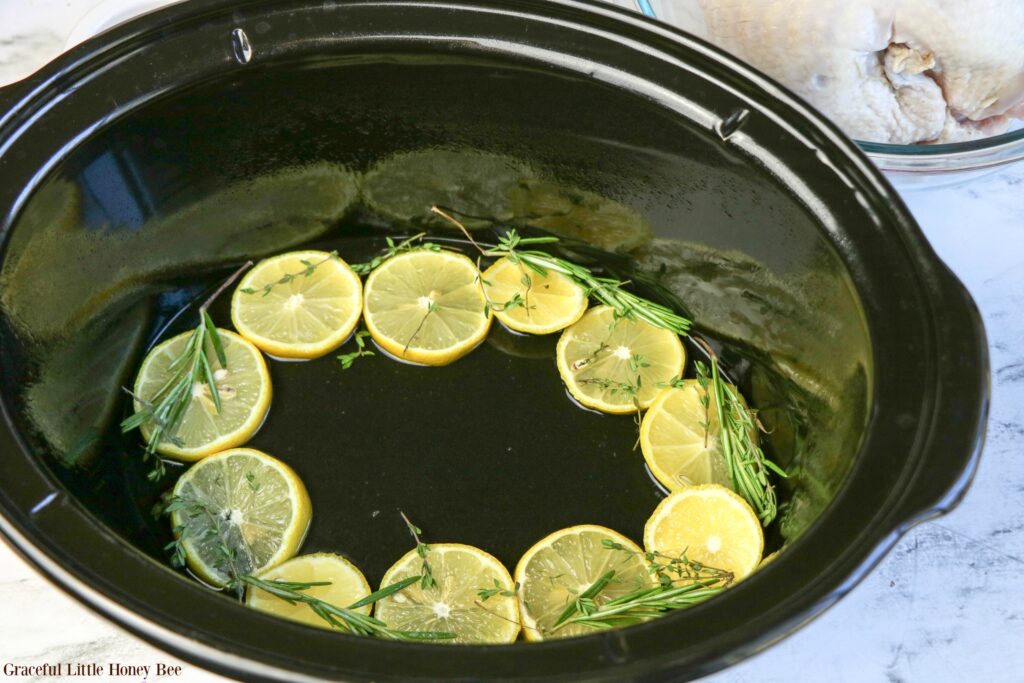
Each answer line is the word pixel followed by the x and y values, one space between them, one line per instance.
pixel 347 619
pixel 394 249
pixel 432 307
pixel 681 583
pixel 486 594
pixel 310 268
pixel 670 569
pixel 347 359
pixel 748 466
pixel 608 291
pixel 515 301
pixel 190 371
pixel 426 579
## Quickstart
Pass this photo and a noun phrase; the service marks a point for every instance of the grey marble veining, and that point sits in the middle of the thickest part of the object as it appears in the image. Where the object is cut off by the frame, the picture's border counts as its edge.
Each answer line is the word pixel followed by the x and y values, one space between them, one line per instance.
pixel 945 605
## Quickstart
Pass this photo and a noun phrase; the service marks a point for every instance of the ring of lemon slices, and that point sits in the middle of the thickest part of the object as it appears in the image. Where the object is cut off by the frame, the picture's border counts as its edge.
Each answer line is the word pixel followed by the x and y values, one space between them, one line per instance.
pixel 432 307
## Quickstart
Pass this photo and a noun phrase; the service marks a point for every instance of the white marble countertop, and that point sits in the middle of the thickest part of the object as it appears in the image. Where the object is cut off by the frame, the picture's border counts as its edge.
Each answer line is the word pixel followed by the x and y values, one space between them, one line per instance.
pixel 944 605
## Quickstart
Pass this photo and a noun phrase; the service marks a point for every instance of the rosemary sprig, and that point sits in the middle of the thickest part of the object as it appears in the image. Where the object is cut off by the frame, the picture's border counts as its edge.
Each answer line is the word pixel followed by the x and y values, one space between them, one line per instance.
pixel 705 400
pixel 748 466
pixel 394 249
pixel 636 606
pixel 426 579
pixel 608 291
pixel 681 583
pixel 347 619
pixel 191 371
pixel 347 359
pixel 310 268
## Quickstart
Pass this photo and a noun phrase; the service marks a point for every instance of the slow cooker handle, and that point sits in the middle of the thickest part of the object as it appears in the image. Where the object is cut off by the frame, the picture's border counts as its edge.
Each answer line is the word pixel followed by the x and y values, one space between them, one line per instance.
pixel 951 454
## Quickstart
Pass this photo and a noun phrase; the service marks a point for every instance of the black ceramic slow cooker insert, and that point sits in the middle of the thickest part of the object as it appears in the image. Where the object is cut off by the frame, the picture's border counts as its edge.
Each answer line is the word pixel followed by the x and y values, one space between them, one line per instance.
pixel 188 140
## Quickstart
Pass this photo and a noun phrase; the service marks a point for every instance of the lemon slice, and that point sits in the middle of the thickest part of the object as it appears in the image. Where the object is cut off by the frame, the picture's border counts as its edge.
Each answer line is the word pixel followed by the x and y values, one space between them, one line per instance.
pixel 709 524
pixel 426 307
pixel 347 586
pixel 460 571
pixel 550 302
pixel 678 448
pixel 244 388
pixel 260 504
pixel 566 563
pixel 616 366
pixel 306 316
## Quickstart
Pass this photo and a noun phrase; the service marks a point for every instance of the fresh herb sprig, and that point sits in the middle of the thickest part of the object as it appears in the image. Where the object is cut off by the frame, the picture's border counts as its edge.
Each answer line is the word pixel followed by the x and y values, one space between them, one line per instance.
pixel 427 579
pixel 486 594
pixel 633 607
pixel 348 619
pixel 192 369
pixel 347 359
pixel 515 301
pixel 307 271
pixel 670 569
pixel 413 243
pixel 748 466
pixel 682 582
pixel 608 291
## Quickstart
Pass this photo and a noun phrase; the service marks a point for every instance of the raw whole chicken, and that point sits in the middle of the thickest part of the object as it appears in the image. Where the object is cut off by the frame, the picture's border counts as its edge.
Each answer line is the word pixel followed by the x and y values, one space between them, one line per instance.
pixel 896 71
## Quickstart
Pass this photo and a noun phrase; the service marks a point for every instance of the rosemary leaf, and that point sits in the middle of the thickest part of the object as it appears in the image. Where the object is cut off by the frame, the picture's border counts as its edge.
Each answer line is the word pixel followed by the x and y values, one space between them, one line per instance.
pixel 218 345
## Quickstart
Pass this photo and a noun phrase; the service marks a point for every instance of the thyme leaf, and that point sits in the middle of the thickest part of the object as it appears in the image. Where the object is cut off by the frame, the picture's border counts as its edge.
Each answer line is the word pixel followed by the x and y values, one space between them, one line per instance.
pixel 347 359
